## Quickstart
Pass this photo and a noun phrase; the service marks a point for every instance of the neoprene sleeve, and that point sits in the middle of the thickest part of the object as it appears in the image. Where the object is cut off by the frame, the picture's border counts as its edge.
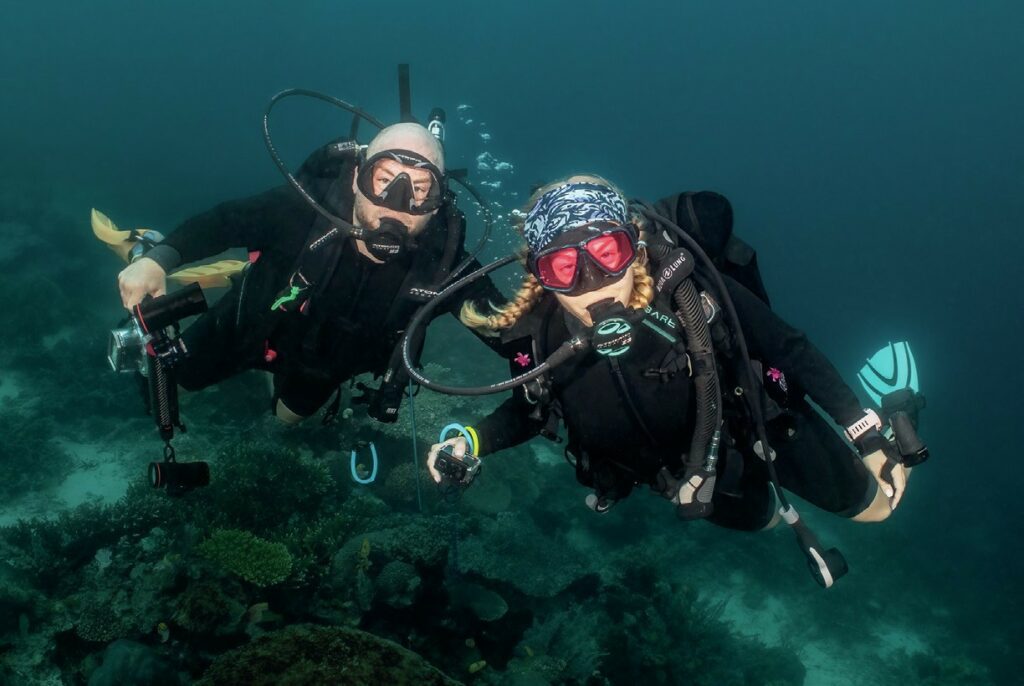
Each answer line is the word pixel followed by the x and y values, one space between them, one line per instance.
pixel 251 223
pixel 771 338
pixel 507 426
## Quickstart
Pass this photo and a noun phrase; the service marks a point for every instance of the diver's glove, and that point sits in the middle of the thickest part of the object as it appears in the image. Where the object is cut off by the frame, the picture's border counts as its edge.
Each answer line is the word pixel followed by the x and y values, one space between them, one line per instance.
pixel 381 403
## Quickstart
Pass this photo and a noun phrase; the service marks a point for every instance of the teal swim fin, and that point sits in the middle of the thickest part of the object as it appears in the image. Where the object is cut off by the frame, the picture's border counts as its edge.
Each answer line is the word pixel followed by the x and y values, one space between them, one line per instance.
pixel 890 369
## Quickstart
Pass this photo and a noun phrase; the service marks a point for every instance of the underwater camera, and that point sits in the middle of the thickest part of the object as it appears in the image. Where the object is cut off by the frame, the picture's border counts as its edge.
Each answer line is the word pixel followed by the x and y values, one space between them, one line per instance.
pixel 149 345
pixel 459 470
pixel 148 324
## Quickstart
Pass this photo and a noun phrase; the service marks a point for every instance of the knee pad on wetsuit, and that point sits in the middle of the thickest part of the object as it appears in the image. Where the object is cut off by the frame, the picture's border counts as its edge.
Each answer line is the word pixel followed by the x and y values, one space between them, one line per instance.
pixel 870 491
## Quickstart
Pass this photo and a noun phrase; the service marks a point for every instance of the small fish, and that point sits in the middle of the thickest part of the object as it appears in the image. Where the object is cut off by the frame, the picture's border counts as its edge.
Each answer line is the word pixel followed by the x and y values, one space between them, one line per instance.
pixel 477 666
pixel 163 631
pixel 255 613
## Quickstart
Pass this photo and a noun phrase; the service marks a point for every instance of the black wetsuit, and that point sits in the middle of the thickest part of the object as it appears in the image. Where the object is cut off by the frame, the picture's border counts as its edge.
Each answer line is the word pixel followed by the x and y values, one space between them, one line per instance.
pixel 627 416
pixel 353 322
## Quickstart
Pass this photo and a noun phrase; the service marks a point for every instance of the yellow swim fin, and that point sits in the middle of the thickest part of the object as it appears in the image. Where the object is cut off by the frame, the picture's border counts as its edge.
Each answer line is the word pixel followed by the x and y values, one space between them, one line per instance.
pixel 216 275
pixel 124 243
pixel 121 242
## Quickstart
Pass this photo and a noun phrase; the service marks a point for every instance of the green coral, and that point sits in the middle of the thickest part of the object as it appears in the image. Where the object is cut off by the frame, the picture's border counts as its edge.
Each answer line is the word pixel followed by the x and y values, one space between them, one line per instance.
pixel 257 561
pixel 206 609
pixel 512 549
pixel 100 623
pixel 261 487
pixel 53 550
pixel 397 584
pixel 402 483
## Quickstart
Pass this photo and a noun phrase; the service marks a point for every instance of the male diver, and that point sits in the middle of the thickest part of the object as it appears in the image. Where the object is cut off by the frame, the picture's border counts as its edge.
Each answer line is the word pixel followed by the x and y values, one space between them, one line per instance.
pixel 312 309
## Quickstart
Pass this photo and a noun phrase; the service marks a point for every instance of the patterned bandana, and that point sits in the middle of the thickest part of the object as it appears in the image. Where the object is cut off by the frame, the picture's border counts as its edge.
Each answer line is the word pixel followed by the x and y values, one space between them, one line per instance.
pixel 571 206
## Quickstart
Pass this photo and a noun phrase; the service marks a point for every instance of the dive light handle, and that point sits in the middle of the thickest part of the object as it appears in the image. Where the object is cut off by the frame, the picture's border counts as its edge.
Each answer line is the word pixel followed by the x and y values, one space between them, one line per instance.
pixel 912 449
pixel 826 566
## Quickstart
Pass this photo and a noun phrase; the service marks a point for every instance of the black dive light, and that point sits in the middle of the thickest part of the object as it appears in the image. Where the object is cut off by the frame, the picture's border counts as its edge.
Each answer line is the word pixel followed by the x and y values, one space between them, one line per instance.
pixel 127 346
pixel 902 408
pixel 167 310
pixel 178 477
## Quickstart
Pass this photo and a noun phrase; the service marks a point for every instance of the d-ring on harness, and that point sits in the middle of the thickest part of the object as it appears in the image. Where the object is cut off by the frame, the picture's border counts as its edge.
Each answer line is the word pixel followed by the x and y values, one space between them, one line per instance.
pixel 373 473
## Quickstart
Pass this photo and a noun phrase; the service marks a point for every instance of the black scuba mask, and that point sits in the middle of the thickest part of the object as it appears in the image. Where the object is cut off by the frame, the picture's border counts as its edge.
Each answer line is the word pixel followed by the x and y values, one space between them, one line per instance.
pixel 592 278
pixel 399 192
pixel 585 259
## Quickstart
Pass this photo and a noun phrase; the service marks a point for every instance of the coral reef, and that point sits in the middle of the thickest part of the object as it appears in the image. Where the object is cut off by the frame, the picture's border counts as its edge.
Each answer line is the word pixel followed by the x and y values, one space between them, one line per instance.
pixel 513 550
pixel 261 487
pixel 936 669
pixel 100 622
pixel 259 562
pixel 485 604
pixel 321 655
pixel 206 608
pixel 489 495
pixel 402 483
pixel 129 662
pixel 397 584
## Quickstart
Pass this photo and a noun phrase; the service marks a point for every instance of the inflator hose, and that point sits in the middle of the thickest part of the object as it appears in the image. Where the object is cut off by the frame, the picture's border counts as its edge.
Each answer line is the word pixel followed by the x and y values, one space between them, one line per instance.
pixel 705 374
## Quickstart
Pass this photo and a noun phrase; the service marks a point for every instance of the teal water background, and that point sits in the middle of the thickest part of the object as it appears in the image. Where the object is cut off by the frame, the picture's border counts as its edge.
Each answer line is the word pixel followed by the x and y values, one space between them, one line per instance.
pixel 872 151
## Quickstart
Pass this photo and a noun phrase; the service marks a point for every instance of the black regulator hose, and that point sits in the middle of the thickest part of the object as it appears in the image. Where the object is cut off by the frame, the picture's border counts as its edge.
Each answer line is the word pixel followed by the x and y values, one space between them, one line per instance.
pixel 825 565
pixel 488 227
pixel 753 397
pixel 705 373
pixel 564 352
pixel 338 224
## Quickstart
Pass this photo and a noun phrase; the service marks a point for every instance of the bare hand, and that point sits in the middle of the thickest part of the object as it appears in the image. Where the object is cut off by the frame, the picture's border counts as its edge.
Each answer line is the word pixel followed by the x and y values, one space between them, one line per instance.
pixel 459 446
pixel 139 279
pixel 891 476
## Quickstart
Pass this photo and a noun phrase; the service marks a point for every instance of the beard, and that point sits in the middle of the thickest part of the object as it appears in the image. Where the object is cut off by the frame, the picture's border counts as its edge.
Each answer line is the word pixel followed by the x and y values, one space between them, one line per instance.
pixel 361 216
pixel 366 215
